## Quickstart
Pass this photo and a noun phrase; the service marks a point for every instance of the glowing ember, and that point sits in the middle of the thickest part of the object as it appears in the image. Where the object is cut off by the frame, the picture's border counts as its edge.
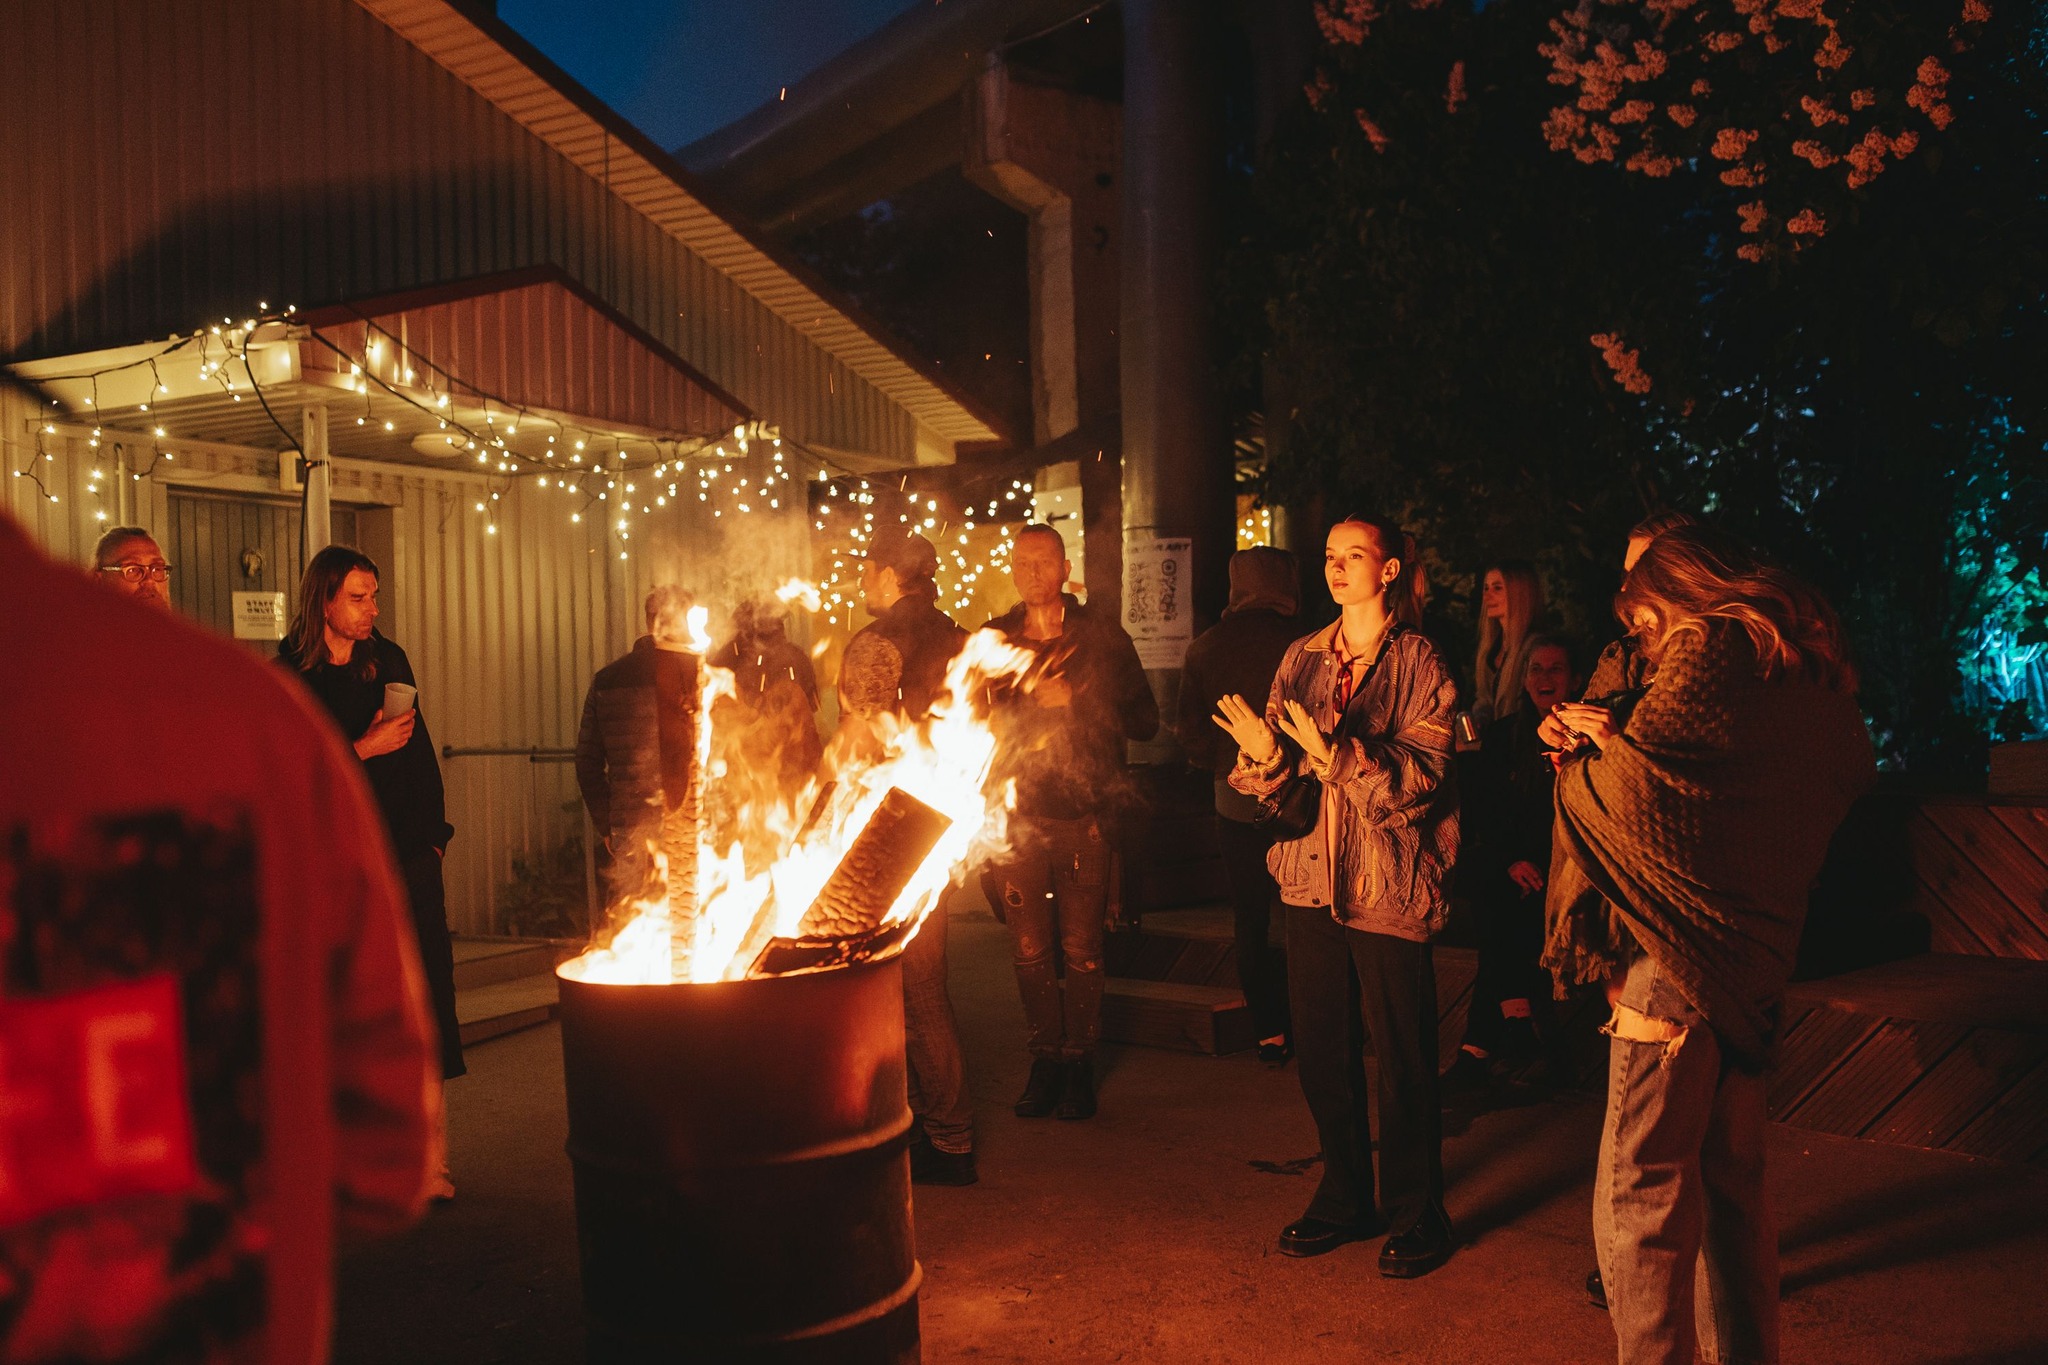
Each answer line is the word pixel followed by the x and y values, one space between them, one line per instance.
pixel 761 869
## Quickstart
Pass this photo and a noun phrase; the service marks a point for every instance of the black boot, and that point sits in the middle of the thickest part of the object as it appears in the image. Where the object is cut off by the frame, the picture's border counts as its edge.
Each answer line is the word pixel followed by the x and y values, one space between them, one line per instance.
pixel 1042 1091
pixel 1079 1101
pixel 1420 1248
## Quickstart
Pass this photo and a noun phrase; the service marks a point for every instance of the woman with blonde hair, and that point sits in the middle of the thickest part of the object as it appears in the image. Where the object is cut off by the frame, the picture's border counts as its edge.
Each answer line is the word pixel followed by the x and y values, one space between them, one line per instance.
pixel 1351 756
pixel 1701 820
pixel 1510 603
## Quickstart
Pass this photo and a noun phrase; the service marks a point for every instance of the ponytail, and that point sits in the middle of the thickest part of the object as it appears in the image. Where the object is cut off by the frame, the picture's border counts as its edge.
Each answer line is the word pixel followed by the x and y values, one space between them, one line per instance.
pixel 1410 589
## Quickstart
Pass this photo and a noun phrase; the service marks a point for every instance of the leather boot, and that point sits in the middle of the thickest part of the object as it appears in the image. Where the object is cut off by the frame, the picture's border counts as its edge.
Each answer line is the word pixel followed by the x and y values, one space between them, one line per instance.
pixel 1079 1101
pixel 1042 1091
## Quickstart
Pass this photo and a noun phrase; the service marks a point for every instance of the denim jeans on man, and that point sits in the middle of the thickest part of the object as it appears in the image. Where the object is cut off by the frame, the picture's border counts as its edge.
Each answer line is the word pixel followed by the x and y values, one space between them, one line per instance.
pixel 1055 890
pixel 1345 984
pixel 1681 1219
pixel 938 1077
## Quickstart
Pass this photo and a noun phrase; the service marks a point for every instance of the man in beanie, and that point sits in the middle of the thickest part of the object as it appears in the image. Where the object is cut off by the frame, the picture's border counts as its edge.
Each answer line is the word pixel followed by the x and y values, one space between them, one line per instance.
pixel 1239 656
pixel 897 666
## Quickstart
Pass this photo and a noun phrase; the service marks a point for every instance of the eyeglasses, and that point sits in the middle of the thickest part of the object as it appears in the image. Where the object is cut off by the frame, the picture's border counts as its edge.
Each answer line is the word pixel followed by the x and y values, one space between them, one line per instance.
pixel 135 573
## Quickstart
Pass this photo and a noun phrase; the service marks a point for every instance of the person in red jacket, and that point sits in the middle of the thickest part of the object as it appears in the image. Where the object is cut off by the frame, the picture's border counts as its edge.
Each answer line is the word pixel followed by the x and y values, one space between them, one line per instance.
pixel 218 1051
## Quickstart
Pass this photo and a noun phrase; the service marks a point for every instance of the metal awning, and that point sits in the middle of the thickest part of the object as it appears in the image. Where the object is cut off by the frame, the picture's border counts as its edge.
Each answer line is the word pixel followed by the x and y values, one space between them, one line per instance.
pixel 524 368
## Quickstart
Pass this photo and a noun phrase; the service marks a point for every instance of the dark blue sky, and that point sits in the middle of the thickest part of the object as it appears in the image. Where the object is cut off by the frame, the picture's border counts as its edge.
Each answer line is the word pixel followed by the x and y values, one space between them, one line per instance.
pixel 680 68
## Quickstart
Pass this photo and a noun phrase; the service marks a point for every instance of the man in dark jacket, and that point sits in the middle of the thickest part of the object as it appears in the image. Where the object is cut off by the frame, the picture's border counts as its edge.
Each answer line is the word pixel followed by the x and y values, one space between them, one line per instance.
pixel 1239 656
pixel 635 749
pixel 897 666
pixel 1063 738
pixel 336 650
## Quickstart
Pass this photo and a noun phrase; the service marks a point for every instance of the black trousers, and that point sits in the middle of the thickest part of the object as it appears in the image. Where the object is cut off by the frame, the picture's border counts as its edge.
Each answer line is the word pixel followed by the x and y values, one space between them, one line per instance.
pixel 1261 968
pixel 423 892
pixel 1346 985
pixel 1510 940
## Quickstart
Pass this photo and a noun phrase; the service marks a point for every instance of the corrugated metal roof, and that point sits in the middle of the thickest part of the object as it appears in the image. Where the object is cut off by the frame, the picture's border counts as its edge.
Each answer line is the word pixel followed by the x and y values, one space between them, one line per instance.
pixel 504 69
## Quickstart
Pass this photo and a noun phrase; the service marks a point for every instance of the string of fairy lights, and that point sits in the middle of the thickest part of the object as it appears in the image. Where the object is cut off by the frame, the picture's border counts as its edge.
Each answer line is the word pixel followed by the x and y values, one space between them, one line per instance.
pixel 599 476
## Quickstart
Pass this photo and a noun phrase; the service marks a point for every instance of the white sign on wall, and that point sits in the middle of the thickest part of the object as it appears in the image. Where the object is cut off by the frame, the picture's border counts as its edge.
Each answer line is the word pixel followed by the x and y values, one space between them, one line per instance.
pixel 1159 607
pixel 259 615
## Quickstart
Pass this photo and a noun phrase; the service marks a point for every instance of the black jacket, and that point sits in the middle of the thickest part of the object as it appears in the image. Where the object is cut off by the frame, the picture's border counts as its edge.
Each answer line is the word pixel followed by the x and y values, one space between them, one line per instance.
pixel 898 663
pixel 1509 805
pixel 1238 655
pixel 407 783
pixel 626 760
pixel 1069 761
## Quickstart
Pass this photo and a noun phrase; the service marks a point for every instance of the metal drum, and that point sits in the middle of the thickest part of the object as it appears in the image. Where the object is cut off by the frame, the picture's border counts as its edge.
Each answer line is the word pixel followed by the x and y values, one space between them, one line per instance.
pixel 741 1164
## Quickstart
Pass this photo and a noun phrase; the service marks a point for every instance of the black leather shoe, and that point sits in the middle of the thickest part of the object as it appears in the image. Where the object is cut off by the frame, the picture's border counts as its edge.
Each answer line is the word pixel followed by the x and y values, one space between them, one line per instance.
pixel 930 1166
pixel 1079 1100
pixel 1596 1290
pixel 1042 1091
pixel 1276 1055
pixel 1419 1249
pixel 1314 1236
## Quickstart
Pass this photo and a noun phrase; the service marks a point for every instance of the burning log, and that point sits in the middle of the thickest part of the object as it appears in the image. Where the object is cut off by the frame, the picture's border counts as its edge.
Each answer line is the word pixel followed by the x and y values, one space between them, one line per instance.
pixel 898 837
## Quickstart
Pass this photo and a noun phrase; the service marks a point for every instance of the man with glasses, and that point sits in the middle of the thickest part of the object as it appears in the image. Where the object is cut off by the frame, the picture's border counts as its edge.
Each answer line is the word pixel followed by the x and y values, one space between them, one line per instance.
pixel 129 558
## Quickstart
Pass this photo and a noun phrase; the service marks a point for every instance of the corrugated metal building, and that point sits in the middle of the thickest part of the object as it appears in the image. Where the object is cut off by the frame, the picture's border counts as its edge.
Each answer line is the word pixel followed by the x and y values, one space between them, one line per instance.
pixel 428 193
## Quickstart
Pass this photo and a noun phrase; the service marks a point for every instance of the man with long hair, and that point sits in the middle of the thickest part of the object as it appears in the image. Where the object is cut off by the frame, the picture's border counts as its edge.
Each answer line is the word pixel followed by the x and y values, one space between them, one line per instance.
pixel 336 650
pixel 1701 821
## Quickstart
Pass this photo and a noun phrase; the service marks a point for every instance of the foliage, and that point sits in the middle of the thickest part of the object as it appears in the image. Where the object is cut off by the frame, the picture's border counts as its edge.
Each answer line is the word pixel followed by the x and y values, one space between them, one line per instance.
pixel 546 897
pixel 1521 348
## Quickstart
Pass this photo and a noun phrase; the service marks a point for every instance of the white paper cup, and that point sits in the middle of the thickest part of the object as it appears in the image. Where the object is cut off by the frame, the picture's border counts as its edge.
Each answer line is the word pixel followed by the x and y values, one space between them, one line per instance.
pixel 398 699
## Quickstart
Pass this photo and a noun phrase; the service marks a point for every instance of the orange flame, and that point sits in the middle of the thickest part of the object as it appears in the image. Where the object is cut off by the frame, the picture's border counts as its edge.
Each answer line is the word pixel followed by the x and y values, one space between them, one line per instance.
pixel 943 761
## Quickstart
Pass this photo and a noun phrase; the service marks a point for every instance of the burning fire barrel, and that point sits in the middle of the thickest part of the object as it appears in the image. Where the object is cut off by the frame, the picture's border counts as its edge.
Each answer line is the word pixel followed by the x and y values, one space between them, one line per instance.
pixel 741 1169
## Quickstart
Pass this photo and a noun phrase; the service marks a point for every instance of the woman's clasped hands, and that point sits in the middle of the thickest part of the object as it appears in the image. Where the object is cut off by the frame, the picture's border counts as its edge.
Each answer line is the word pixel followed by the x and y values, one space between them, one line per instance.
pixel 1256 738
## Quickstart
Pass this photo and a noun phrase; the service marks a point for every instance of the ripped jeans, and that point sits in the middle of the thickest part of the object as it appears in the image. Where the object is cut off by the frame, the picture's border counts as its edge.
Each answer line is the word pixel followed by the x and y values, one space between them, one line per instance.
pixel 1057 885
pixel 1682 1222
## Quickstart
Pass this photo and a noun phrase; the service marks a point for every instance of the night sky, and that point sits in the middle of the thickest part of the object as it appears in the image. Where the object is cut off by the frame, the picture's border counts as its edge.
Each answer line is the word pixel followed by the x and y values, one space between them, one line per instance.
pixel 682 68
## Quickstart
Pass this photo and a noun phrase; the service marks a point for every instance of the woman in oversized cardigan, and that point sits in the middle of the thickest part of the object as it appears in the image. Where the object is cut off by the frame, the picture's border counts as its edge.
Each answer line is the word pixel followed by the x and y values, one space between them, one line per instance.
pixel 1364 707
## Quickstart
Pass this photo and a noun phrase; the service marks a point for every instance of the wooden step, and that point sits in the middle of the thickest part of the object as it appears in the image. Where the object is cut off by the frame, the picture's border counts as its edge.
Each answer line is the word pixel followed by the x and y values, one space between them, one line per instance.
pixel 1186 1018
pixel 502 1007
pixel 486 961
pixel 1944 1050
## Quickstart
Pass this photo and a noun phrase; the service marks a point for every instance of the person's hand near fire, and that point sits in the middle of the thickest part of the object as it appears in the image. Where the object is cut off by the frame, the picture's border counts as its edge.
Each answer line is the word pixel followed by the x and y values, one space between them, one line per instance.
pixel 385 736
pixel 1256 738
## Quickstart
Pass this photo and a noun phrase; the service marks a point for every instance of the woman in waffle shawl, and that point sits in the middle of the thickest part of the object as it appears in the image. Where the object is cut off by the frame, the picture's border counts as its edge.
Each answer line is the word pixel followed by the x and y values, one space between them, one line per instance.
pixel 1688 838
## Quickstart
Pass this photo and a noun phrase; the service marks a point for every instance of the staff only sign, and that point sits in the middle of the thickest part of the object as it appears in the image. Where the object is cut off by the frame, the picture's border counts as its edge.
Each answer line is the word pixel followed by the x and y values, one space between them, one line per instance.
pixel 1159 606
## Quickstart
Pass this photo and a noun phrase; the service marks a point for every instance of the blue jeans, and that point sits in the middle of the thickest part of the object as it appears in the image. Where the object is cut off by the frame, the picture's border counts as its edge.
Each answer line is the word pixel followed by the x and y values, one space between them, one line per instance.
pixel 1054 890
pixel 1687 1243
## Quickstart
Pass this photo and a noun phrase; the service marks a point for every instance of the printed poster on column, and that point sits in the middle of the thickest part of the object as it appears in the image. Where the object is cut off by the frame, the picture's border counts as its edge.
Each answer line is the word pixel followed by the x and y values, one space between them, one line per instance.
pixel 1159 609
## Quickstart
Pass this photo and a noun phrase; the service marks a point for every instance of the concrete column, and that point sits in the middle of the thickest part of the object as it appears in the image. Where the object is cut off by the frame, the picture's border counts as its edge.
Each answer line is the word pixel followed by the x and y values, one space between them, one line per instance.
pixel 319 530
pixel 1178 474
